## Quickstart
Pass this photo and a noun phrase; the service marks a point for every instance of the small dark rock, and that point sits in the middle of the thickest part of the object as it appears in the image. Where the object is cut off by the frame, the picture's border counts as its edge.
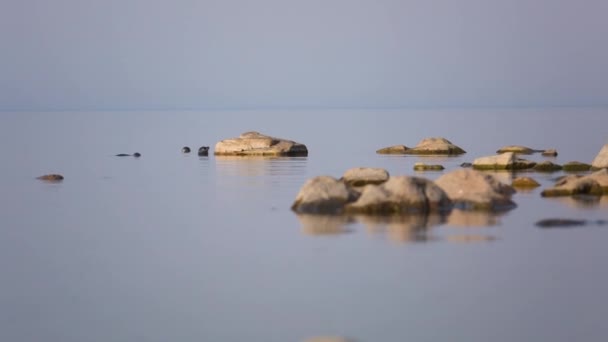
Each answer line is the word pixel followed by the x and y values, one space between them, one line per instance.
pixel 549 153
pixel 136 154
pixel 123 155
pixel 203 151
pixel 566 223
pixel 185 149
pixel 466 165
pixel 51 177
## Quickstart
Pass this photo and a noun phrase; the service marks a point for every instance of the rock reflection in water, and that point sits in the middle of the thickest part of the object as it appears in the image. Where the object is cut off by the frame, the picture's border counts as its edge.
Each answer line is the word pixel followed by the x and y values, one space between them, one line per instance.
pixel 462 218
pixel 583 201
pixel 260 166
pixel 313 224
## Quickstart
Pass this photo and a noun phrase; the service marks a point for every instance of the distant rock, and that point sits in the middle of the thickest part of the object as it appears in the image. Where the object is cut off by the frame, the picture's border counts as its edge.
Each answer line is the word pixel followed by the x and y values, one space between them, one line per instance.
pixel 136 155
pixel 53 177
pixel 524 182
pixel 549 153
pixel 504 161
pixel 428 167
pixel 323 195
pixel 516 149
pixel 575 166
pixel 601 160
pixel 433 146
pixel 203 151
pixel 566 223
pixel 400 195
pixel 365 175
pixel 397 149
pixel 466 164
pixel 470 189
pixel 257 144
pixel 185 149
pixel 547 166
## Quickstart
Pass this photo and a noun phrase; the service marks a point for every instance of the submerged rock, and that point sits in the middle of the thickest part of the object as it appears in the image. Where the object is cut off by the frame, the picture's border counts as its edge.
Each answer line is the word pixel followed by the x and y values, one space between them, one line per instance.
pixel 470 189
pixel 504 161
pixel 397 149
pixel 575 166
pixel 601 160
pixel 428 167
pixel 517 149
pixel 401 195
pixel 549 153
pixel 524 182
pixel 53 177
pixel 257 144
pixel 435 146
pixel 365 175
pixel 323 194
pixel 547 166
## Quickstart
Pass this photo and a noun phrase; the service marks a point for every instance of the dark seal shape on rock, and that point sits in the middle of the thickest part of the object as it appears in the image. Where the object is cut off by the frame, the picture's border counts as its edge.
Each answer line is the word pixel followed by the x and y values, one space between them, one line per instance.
pixel 203 151
pixel 53 177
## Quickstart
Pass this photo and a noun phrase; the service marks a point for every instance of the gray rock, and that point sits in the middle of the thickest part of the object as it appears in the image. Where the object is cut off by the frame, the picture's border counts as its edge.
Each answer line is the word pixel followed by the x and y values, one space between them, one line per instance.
pixel 397 149
pixel 601 160
pixel 470 189
pixel 440 146
pixel 323 194
pixel 365 175
pixel 257 144
pixel 400 195
pixel 504 161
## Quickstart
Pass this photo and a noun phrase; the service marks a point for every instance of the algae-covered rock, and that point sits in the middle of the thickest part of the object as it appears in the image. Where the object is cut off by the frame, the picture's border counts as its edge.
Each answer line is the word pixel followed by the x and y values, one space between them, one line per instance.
pixel 400 195
pixel 547 166
pixel 365 175
pixel 322 194
pixel 549 153
pixel 575 166
pixel 504 161
pixel 439 146
pixel 601 160
pixel 397 149
pixel 516 149
pixel 428 167
pixel 524 182
pixel 257 144
pixel 470 189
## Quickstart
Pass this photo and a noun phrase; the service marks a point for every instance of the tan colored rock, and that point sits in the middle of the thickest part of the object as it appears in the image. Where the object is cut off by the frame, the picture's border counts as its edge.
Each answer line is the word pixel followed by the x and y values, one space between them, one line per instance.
pixel 504 161
pixel 257 144
pixel 516 149
pixel 601 177
pixel 435 145
pixel 524 182
pixel 400 194
pixel 323 194
pixel 574 185
pixel 470 189
pixel 428 167
pixel 397 149
pixel 601 160
pixel 365 175
pixel 51 177
pixel 549 153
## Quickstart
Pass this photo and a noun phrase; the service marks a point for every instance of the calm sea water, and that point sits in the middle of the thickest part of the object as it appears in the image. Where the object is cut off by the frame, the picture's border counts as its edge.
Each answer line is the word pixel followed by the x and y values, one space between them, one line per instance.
pixel 174 247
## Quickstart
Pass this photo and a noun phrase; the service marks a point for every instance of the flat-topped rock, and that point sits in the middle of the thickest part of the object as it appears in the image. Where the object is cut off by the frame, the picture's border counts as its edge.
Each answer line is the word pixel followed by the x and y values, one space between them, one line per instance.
pixel 575 166
pixel 323 195
pixel 397 149
pixel 504 161
pixel 601 160
pixel 365 175
pixel 257 144
pixel 435 145
pixel 400 195
pixel 577 185
pixel 470 189
pixel 517 149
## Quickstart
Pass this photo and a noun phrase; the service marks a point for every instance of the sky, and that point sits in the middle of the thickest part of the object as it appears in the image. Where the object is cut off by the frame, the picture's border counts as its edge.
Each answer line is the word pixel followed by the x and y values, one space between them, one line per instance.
pixel 200 54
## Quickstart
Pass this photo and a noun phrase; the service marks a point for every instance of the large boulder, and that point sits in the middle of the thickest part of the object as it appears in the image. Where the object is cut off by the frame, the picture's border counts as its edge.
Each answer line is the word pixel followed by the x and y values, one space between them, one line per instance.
pixel 435 146
pixel 397 149
pixel 470 189
pixel 323 195
pixel 365 175
pixel 257 144
pixel 504 161
pixel 601 160
pixel 400 195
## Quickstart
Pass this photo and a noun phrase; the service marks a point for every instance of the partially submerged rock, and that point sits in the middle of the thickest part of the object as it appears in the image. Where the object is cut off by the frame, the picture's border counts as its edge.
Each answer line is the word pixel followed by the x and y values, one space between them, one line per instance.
pixel 434 146
pixel 601 160
pixel 504 161
pixel 203 151
pixel 549 153
pixel 574 185
pixel 323 195
pixel 428 167
pixel 397 149
pixel 575 166
pixel 517 149
pixel 470 189
pixel 53 177
pixel 566 223
pixel 524 182
pixel 547 166
pixel 400 195
pixel 185 149
pixel 365 175
pixel 257 144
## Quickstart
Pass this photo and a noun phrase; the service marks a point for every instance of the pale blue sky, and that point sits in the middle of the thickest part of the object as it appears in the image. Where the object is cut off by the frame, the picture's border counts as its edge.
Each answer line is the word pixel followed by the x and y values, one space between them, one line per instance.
pixel 196 54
